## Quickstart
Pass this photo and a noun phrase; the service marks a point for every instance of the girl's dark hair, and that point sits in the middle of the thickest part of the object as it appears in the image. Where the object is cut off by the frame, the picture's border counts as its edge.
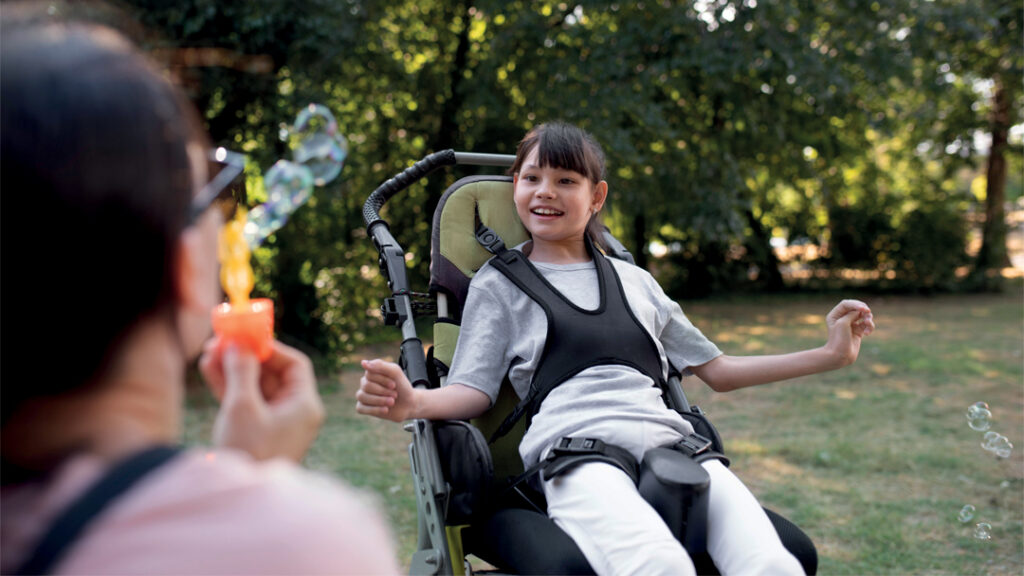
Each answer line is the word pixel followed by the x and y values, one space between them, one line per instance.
pixel 568 147
pixel 93 143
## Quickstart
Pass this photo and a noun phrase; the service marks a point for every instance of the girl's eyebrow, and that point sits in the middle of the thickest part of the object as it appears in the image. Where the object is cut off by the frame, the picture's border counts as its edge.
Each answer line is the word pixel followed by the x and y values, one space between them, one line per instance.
pixel 558 168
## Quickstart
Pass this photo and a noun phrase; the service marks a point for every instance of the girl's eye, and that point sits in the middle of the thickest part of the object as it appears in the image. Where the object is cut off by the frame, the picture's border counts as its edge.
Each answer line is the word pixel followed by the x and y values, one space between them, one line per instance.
pixel 568 181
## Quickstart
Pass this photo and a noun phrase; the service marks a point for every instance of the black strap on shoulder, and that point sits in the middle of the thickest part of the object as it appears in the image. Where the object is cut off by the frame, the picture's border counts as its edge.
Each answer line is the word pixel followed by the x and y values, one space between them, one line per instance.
pixel 68 526
pixel 578 339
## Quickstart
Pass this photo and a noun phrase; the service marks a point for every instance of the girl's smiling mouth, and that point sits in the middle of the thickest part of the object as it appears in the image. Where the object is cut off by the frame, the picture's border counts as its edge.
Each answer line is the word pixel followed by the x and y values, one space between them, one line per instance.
pixel 546 212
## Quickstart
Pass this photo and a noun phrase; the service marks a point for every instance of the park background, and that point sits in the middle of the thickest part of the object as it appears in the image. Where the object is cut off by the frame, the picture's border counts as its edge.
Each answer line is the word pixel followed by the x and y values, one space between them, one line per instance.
pixel 766 157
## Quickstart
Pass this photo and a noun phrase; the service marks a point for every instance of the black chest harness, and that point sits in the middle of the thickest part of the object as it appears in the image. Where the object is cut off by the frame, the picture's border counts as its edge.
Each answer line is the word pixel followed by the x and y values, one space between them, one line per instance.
pixel 578 339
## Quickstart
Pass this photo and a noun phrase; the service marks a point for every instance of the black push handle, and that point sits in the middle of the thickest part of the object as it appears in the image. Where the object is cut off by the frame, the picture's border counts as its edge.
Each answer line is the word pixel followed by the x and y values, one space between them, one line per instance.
pixel 419 170
pixel 402 180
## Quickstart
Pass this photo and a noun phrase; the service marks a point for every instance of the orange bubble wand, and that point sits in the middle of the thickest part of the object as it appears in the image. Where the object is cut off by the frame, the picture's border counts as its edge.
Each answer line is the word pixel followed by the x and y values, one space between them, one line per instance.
pixel 241 320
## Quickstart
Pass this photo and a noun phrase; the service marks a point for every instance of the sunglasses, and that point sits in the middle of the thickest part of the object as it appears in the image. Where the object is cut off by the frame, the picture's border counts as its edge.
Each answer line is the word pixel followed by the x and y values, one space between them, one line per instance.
pixel 225 190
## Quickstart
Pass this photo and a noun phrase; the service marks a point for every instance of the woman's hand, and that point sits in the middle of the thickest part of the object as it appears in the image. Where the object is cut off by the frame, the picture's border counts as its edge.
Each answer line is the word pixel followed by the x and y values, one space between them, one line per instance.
pixel 268 410
pixel 848 323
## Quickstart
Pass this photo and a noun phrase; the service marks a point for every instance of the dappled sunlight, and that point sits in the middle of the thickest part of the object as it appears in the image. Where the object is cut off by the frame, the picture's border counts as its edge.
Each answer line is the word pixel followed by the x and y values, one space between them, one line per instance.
pixel 881 369
pixel 899 385
pixel 982 355
pixel 760 470
pixel 816 319
pixel 753 346
pixel 746 448
pixel 844 394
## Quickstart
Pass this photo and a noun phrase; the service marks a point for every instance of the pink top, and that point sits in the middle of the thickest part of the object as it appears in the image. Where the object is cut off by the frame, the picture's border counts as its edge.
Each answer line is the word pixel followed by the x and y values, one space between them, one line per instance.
pixel 207 512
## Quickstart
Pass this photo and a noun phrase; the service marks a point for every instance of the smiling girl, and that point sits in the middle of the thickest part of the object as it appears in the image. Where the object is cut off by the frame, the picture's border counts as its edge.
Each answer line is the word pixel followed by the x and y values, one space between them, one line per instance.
pixel 559 184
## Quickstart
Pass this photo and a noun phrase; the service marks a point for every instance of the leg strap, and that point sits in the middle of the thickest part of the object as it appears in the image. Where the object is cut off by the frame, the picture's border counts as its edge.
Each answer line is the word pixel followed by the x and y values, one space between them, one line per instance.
pixel 570 452
pixel 700 448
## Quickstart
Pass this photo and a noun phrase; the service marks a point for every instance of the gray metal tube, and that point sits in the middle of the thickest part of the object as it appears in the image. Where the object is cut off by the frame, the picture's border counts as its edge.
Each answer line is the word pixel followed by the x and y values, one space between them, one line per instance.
pixel 476 159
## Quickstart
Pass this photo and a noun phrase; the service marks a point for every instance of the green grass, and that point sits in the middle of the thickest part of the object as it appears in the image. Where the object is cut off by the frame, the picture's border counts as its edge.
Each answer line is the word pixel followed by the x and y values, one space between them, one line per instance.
pixel 874 462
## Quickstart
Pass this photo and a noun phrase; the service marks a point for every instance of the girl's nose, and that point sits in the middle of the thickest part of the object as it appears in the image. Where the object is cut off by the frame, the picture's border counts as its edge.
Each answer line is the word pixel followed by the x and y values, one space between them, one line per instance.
pixel 544 190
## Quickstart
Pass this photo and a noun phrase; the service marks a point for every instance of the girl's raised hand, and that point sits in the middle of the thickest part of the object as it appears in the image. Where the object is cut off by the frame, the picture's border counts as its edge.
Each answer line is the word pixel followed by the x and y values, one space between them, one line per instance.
pixel 848 323
pixel 385 391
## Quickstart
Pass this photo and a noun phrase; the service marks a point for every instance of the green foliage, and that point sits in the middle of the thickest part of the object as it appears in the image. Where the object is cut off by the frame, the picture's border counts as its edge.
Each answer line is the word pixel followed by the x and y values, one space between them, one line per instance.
pixel 929 247
pixel 785 111
pixel 861 235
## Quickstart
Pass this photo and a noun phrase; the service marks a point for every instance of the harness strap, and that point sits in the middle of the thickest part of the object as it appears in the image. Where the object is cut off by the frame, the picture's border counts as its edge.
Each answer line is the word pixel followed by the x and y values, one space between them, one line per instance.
pixel 70 524
pixel 700 448
pixel 576 339
pixel 570 452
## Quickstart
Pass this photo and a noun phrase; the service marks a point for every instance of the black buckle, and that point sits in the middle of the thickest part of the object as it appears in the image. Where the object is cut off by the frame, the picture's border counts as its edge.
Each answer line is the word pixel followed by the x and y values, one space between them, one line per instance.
pixel 489 239
pixel 567 446
pixel 693 444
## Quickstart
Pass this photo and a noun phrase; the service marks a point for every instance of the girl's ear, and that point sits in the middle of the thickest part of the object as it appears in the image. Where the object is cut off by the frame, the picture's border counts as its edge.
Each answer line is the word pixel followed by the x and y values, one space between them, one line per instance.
pixel 600 195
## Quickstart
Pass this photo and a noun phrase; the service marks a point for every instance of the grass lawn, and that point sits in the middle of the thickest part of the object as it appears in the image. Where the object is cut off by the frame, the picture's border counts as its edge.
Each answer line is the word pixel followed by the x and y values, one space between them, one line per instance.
pixel 874 461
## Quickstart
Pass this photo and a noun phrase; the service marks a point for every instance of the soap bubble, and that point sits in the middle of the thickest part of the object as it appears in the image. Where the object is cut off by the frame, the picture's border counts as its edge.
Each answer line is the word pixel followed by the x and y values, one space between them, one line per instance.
pixel 288 185
pixel 997 444
pixel 320 145
pixel 983 531
pixel 978 416
pixel 319 152
pixel 966 513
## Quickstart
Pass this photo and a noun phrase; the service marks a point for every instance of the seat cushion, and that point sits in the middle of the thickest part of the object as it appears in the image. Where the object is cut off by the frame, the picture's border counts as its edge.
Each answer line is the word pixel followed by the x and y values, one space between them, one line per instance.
pixel 522 541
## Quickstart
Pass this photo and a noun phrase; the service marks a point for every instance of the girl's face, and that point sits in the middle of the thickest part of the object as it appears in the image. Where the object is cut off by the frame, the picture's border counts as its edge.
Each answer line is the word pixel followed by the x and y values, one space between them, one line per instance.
pixel 555 204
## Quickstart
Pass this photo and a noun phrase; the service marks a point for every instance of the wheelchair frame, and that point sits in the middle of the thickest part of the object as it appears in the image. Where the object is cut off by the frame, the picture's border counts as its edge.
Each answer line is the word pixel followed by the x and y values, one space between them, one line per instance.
pixel 438 552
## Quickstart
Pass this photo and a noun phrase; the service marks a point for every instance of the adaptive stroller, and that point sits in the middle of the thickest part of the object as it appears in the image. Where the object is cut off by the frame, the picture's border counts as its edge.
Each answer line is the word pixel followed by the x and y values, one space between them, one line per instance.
pixel 473 496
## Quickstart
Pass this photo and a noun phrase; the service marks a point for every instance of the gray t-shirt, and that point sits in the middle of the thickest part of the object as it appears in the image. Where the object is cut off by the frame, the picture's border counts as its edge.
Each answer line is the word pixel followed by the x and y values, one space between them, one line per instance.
pixel 503 331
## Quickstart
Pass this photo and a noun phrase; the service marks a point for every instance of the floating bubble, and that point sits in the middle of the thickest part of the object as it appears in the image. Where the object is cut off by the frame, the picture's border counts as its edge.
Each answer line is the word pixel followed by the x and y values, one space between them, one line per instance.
pixel 320 146
pixel 979 416
pixel 966 513
pixel 983 531
pixel 288 185
pixel 997 444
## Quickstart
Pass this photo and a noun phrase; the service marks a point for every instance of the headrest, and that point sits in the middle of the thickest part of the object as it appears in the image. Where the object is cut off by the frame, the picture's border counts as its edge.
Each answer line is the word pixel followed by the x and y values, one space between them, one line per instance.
pixel 455 255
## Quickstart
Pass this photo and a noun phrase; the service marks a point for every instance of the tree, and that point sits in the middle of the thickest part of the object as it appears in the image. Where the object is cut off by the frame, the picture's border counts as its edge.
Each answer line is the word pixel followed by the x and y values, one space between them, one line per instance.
pixel 977 69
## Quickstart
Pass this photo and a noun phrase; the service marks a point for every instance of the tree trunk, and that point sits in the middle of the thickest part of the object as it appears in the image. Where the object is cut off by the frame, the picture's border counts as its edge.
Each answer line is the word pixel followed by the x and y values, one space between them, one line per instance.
pixel 993 254
pixel 760 248
pixel 449 126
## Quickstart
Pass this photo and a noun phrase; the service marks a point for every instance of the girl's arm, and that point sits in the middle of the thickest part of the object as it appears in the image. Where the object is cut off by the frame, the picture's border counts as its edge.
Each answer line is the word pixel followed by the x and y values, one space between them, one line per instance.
pixel 848 323
pixel 385 392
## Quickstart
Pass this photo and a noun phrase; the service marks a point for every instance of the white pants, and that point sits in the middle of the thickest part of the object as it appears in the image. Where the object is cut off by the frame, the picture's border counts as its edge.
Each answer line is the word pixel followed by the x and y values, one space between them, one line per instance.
pixel 598 505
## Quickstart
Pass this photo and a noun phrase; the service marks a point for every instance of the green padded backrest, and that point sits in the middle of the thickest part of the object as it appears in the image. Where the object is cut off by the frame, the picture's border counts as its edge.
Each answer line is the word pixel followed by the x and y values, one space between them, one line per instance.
pixel 455 258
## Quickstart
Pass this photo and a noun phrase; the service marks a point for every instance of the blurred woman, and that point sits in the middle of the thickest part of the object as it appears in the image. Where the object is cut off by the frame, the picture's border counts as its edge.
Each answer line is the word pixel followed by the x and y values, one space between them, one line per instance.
pixel 104 164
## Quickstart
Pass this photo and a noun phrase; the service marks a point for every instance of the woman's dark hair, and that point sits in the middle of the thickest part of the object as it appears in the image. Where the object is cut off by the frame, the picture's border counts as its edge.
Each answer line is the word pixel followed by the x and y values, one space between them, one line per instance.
pixel 95 168
pixel 568 147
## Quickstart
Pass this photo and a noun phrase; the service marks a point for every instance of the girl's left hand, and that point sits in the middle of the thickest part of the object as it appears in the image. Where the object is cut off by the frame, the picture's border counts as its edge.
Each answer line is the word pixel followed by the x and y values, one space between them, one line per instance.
pixel 848 323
